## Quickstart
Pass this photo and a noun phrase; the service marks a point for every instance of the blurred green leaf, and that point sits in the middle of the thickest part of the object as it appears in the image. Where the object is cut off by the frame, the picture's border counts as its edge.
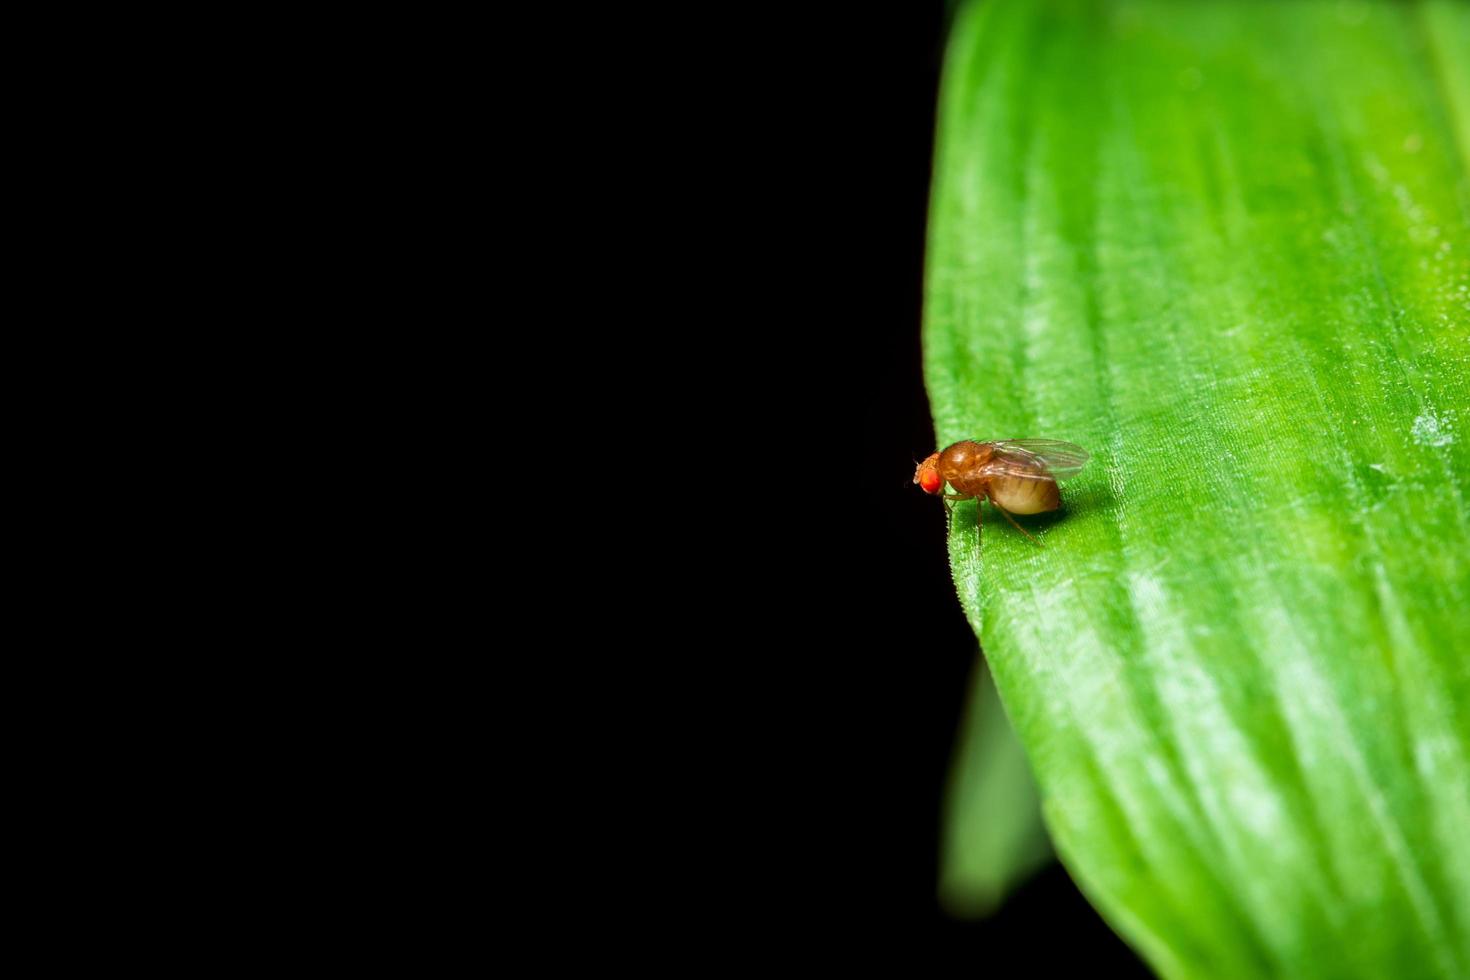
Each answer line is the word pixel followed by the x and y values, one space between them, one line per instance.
pixel 993 838
pixel 1226 247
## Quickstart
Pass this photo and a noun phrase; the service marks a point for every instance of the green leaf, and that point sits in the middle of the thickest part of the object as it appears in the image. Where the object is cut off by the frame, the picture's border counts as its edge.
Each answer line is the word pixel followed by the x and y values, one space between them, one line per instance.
pixel 1226 247
pixel 993 838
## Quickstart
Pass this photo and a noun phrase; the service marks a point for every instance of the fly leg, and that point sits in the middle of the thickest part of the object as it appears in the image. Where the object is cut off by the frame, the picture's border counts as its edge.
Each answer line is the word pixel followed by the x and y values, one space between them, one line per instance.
pixel 949 508
pixel 1007 515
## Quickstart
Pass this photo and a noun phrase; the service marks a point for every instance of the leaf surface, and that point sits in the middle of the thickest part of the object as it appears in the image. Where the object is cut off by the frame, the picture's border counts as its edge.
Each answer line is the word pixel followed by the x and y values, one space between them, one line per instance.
pixel 993 838
pixel 1226 248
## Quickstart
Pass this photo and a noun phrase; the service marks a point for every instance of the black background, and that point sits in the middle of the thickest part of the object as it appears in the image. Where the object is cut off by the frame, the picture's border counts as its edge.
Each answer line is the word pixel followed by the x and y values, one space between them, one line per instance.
pixel 893 648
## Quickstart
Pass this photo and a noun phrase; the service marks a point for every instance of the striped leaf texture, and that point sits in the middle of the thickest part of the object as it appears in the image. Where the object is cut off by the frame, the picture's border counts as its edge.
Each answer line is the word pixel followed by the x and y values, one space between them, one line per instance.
pixel 1226 248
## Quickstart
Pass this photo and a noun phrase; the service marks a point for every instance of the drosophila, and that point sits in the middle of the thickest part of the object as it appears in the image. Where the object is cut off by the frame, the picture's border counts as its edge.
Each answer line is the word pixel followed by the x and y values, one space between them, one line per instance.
pixel 1018 476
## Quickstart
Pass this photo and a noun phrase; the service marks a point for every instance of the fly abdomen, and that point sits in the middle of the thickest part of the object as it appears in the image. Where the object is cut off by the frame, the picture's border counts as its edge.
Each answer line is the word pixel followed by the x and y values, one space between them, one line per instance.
pixel 1025 495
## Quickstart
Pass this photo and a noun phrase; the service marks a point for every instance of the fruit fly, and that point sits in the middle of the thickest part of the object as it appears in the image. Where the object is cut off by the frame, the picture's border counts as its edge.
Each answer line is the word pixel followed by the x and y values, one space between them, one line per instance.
pixel 1018 476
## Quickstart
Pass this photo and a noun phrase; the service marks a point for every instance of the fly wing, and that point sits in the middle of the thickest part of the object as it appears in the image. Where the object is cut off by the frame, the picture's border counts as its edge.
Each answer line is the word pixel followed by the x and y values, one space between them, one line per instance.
pixel 1033 457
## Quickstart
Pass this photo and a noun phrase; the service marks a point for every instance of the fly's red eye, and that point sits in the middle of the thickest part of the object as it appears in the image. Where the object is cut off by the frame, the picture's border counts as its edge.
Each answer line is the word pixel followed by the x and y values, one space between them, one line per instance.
pixel 929 480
